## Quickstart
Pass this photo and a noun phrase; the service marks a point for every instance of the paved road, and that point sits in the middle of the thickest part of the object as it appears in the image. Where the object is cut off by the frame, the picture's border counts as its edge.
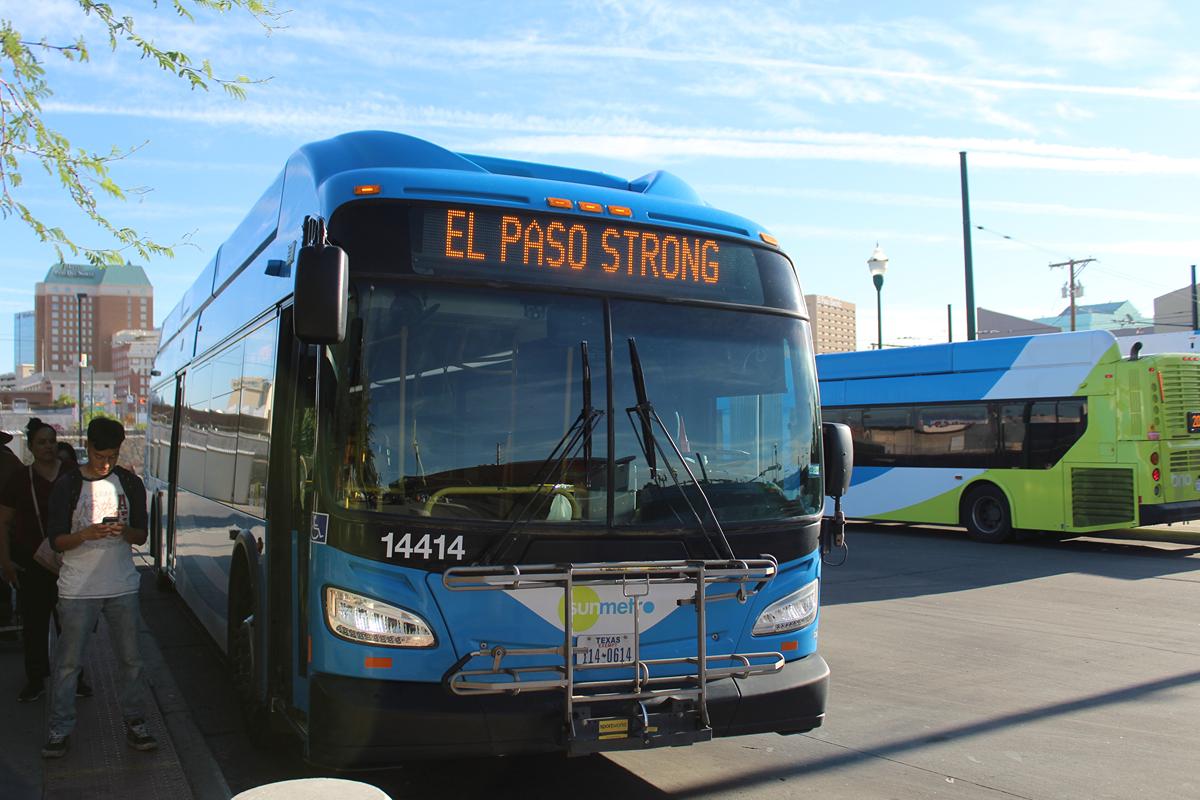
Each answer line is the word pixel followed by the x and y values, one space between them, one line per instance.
pixel 1042 669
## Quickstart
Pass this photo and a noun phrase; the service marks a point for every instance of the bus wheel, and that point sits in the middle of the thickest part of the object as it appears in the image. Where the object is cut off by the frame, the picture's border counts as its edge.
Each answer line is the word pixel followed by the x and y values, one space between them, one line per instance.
pixel 243 661
pixel 986 515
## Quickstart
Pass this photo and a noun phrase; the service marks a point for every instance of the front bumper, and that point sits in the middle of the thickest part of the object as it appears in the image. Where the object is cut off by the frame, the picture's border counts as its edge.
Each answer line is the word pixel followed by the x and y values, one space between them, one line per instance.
pixel 1162 513
pixel 363 723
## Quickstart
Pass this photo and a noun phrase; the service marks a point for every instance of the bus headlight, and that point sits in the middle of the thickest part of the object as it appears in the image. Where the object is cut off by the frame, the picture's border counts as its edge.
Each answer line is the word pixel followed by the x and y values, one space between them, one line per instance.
pixel 367 621
pixel 796 611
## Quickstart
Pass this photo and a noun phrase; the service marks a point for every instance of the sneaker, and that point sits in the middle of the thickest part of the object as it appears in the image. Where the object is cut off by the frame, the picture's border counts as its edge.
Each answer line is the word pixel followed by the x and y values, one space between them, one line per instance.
pixel 55 747
pixel 32 691
pixel 136 735
pixel 83 688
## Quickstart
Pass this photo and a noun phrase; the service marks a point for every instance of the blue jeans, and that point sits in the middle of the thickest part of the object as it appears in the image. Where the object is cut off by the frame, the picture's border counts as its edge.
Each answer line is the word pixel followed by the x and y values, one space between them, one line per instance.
pixel 78 617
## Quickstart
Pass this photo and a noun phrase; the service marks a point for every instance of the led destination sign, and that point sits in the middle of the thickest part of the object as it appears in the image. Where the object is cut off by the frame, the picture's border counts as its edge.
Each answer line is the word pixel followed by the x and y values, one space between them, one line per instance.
pixel 592 253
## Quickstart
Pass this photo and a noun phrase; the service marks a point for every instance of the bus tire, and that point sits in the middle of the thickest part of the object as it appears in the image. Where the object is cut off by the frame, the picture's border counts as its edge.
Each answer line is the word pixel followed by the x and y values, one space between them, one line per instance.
pixel 243 660
pixel 986 515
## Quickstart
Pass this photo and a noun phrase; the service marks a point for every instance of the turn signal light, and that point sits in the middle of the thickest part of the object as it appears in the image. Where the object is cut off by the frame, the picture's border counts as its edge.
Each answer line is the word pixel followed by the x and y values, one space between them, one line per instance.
pixel 368 188
pixel 1155 475
pixel 1154 459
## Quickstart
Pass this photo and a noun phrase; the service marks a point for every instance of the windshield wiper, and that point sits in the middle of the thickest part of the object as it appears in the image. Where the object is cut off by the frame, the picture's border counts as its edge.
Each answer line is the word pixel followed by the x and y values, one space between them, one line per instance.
pixel 650 445
pixel 580 432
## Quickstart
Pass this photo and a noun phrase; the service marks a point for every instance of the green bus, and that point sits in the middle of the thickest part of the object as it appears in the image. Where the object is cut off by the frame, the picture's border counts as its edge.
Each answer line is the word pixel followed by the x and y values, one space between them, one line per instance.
pixel 1051 433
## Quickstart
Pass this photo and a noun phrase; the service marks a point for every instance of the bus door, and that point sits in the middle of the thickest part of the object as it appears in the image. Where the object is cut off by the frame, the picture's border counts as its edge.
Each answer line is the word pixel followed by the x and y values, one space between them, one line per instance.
pixel 166 447
pixel 290 503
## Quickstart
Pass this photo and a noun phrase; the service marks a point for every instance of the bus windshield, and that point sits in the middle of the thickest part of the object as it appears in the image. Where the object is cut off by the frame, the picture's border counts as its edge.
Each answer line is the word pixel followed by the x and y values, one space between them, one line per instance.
pixel 450 402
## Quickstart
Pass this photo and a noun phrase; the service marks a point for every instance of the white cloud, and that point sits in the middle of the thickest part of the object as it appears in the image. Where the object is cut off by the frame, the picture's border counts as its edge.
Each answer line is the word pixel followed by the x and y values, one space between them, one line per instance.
pixel 644 141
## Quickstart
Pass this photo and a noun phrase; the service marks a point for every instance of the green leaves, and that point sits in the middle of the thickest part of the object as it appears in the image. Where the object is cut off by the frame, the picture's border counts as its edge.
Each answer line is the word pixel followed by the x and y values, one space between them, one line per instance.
pixel 25 139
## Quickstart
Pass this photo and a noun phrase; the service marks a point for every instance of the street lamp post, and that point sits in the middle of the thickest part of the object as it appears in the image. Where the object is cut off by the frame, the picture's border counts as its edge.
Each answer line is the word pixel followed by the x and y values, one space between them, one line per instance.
pixel 877 263
pixel 79 345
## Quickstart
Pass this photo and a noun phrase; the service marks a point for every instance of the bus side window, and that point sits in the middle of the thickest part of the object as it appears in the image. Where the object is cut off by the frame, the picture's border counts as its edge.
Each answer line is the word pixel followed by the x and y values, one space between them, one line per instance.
pixel 1043 434
pixel 888 434
pixel 960 435
pixel 1072 422
pixel 1012 435
pixel 851 417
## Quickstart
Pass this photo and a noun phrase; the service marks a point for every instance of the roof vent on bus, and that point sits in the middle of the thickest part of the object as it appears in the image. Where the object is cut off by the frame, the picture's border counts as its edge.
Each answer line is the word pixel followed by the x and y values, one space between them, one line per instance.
pixel 664 184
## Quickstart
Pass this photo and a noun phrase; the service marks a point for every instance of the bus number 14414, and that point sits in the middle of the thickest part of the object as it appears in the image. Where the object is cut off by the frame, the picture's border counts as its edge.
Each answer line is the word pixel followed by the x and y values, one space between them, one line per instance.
pixel 427 548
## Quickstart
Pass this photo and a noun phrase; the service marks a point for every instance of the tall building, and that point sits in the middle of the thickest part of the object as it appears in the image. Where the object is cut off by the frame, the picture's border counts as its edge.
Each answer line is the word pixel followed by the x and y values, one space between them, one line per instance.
pixel 24 340
pixel 79 307
pixel 833 324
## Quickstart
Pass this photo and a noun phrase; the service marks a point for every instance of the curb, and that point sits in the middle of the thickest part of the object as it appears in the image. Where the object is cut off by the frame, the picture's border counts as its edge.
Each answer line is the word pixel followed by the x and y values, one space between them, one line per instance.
pixel 203 775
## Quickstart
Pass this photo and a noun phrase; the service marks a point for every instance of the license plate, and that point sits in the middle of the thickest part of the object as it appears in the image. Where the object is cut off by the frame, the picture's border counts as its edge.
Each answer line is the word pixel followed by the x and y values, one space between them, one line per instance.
pixel 616 648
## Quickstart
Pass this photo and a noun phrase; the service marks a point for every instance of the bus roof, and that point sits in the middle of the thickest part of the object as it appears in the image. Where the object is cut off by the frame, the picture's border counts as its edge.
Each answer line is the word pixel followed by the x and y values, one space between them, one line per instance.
pixel 405 167
pixel 1050 365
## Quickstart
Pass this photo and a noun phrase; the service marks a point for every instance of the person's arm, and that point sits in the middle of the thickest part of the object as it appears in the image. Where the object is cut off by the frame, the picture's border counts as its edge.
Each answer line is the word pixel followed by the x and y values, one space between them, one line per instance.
pixel 135 492
pixel 8 570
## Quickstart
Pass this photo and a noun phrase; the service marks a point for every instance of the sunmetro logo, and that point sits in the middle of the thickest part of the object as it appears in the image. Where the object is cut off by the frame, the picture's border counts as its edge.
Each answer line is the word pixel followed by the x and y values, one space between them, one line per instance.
pixel 587 608
pixel 603 609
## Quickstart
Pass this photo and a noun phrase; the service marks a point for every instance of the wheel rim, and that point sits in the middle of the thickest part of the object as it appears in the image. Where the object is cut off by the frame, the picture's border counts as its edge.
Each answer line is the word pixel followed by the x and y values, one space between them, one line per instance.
pixel 987 514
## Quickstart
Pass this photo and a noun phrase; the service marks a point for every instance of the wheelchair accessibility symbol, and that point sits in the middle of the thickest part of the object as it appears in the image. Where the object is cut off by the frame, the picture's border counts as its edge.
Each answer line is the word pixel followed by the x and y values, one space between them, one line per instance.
pixel 319 531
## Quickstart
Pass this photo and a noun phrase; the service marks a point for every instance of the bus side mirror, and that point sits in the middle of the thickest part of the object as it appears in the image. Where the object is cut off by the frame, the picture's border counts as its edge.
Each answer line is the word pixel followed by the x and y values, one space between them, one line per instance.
pixel 322 294
pixel 838 448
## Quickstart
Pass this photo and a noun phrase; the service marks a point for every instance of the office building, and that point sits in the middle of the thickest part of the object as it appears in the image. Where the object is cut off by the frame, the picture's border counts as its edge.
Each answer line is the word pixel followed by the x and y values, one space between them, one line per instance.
pixel 833 324
pixel 24 339
pixel 79 307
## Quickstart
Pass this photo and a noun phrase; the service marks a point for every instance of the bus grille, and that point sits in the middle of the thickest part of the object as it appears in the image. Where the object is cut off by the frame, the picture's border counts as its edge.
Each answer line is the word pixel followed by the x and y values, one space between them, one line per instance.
pixel 1101 496
pixel 1185 462
pixel 1181 394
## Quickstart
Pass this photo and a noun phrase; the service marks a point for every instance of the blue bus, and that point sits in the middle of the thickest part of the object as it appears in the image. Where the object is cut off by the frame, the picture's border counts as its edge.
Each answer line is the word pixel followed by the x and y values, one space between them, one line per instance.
pixel 457 455
pixel 1056 432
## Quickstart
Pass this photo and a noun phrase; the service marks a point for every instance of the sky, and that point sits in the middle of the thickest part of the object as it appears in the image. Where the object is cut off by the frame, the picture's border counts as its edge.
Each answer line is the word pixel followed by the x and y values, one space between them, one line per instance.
pixel 835 125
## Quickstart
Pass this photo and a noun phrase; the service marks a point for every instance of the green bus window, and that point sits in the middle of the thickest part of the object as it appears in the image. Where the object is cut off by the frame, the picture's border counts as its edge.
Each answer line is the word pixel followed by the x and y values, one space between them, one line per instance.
pixel 1013 429
pixel 959 435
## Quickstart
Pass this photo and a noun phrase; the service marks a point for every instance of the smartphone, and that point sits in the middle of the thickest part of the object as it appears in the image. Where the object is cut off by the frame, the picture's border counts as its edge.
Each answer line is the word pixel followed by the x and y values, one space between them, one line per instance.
pixel 112 522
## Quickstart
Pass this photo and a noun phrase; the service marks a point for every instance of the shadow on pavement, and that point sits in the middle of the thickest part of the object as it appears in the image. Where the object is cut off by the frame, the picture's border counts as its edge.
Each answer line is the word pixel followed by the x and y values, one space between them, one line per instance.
pixel 892 750
pixel 894 561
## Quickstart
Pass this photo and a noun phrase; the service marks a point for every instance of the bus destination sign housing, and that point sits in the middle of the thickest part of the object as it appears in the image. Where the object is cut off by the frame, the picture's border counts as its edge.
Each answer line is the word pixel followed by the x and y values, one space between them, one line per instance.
pixel 602 253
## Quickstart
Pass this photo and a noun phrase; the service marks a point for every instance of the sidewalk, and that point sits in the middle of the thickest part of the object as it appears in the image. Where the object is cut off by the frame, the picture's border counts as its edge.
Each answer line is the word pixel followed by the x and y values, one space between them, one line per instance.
pixel 99 763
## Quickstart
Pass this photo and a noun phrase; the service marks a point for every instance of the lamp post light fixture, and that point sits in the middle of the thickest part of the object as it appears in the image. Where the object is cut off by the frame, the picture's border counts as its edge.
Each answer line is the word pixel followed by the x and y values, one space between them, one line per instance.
pixel 877 263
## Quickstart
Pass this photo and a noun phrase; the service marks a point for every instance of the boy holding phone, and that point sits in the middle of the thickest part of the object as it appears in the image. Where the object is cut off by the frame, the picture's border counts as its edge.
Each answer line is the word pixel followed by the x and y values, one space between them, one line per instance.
pixel 96 514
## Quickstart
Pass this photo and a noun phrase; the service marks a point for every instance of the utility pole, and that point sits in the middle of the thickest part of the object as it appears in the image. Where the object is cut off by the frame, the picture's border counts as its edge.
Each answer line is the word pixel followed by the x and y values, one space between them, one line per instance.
pixel 1071 289
pixel 1195 310
pixel 968 266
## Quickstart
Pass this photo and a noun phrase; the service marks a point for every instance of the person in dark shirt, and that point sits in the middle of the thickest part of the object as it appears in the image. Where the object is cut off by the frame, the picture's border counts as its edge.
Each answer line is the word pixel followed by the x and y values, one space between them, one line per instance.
pixel 24 512
pixel 9 466
pixel 66 454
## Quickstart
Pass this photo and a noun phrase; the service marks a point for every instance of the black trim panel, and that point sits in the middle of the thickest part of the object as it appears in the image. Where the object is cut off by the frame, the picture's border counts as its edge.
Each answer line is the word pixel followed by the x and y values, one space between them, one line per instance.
pixel 362 723
pixel 361 534
pixel 1162 513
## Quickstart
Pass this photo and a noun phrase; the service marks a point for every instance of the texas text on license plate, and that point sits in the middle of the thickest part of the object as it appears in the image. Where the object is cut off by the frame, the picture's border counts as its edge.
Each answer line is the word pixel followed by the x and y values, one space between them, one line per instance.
pixel 614 648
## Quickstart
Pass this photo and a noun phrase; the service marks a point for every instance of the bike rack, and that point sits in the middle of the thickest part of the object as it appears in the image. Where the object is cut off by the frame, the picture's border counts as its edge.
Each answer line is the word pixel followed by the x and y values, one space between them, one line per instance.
pixel 644 684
